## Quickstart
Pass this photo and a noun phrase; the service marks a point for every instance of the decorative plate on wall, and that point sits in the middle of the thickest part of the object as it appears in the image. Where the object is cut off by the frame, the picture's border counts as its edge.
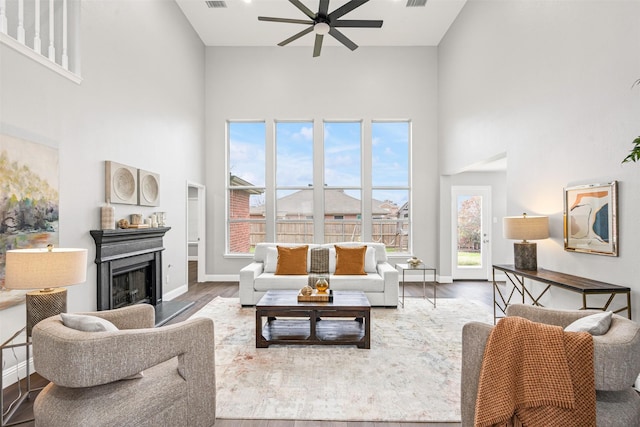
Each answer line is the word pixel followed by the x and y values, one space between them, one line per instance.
pixel 148 188
pixel 121 183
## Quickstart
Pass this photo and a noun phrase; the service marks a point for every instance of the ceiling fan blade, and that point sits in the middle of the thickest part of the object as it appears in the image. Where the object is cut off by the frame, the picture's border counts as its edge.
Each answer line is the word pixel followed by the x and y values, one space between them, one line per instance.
pixel 297 36
pixel 318 45
pixel 345 9
pixel 324 8
pixel 303 8
pixel 357 23
pixel 286 20
pixel 343 39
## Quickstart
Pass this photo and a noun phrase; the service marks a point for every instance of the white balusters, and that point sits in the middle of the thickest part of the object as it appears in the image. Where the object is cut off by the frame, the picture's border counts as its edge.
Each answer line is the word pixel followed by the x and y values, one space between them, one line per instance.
pixel 3 16
pixel 20 32
pixel 37 42
pixel 52 48
pixel 24 27
pixel 65 57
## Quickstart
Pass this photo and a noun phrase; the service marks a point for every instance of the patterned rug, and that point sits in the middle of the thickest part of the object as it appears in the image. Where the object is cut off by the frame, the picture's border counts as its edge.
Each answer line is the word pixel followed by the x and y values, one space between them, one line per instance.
pixel 411 372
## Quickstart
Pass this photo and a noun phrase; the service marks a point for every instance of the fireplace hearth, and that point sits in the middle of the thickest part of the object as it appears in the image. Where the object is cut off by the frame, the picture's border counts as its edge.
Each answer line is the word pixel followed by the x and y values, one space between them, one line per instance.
pixel 130 271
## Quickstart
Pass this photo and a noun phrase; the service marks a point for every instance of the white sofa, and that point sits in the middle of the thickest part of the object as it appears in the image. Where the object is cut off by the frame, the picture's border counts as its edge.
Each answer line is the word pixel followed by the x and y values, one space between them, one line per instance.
pixel 380 284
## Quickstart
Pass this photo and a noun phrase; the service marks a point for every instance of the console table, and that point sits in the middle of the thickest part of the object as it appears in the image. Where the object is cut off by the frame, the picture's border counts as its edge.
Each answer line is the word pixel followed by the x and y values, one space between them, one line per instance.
pixel 550 278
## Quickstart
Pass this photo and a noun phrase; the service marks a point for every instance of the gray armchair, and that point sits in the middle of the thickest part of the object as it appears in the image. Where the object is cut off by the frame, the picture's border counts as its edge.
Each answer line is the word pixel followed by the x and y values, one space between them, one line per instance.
pixel 616 363
pixel 87 371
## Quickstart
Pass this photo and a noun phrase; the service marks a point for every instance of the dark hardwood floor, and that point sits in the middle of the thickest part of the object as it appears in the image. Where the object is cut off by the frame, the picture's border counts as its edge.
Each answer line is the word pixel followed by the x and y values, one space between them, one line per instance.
pixel 202 293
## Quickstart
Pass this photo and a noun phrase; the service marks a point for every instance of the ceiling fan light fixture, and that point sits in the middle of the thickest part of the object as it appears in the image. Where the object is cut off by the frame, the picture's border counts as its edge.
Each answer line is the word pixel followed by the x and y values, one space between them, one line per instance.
pixel 321 28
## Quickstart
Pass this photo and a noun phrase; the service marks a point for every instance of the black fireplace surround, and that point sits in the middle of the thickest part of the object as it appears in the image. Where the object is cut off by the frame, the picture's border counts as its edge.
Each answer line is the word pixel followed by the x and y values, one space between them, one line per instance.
pixel 130 270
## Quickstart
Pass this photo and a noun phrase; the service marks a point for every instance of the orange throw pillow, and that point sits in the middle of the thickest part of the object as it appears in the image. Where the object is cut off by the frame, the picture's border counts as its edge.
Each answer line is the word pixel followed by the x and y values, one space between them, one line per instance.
pixel 350 260
pixel 292 261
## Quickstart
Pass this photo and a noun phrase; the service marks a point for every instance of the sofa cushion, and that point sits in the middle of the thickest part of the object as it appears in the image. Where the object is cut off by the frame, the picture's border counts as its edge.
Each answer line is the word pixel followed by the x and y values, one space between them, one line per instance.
pixel 350 260
pixel 370 264
pixel 269 281
pixel 292 260
pixel 366 283
pixel 86 323
pixel 595 324
pixel 271 260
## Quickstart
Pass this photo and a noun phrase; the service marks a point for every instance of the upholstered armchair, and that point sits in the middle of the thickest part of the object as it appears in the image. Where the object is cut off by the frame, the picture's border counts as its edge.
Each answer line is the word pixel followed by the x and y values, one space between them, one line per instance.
pixel 87 371
pixel 616 363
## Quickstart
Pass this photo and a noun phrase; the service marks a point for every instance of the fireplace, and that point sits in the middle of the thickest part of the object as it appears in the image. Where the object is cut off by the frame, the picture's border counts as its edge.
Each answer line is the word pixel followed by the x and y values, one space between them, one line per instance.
pixel 130 270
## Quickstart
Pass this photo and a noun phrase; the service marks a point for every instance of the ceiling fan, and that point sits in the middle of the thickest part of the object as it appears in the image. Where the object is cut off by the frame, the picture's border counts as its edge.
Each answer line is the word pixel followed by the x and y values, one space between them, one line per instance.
pixel 324 22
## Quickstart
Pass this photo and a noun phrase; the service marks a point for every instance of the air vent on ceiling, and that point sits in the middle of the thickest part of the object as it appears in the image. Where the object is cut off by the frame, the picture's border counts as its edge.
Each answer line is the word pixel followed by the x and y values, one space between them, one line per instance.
pixel 216 4
pixel 416 3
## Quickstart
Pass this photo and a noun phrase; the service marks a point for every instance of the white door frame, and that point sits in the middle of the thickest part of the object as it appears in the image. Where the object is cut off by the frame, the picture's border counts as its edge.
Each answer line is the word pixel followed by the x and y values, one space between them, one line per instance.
pixel 472 273
pixel 202 235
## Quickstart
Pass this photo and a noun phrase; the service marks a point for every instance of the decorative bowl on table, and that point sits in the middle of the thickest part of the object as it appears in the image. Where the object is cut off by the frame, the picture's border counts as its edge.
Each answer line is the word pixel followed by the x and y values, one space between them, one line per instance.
pixel 414 262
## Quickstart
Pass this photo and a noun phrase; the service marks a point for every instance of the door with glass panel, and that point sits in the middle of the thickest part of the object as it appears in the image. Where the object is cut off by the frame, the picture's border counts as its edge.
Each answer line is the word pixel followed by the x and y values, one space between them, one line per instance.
pixel 471 213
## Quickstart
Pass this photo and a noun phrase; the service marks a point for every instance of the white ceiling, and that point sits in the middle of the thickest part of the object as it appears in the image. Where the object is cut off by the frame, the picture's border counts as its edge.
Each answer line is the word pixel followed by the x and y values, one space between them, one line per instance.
pixel 238 25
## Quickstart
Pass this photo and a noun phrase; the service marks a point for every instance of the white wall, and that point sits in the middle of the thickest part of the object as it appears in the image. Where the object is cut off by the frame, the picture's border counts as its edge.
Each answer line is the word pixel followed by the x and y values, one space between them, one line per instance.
pixel 549 84
pixel 287 83
pixel 141 103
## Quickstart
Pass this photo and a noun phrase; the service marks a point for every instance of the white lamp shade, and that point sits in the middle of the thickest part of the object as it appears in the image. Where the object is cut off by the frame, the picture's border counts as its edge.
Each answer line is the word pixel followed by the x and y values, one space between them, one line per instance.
pixel 44 268
pixel 525 227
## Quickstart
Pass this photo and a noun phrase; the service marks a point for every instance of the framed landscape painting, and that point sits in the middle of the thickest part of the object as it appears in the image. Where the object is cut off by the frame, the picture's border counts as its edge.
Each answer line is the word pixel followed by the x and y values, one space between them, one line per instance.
pixel 28 202
pixel 590 219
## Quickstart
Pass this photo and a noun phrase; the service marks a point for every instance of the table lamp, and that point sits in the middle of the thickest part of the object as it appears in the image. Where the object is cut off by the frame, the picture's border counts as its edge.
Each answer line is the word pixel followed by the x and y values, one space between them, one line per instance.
pixel 47 269
pixel 525 227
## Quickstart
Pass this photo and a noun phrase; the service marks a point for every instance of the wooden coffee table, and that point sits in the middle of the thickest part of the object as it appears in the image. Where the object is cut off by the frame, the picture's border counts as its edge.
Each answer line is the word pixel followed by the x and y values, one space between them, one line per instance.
pixel 344 321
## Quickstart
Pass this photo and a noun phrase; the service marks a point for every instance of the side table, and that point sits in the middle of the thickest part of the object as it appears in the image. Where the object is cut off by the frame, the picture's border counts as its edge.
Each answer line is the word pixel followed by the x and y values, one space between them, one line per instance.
pixel 404 268
pixel 25 393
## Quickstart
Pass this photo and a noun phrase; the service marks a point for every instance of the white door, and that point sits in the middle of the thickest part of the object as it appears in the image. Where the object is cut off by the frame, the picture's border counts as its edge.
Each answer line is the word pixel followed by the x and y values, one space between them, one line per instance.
pixel 471 229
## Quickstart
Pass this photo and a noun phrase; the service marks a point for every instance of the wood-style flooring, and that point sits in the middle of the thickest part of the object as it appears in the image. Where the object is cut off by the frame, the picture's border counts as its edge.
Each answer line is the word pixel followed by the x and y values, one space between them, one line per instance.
pixel 202 293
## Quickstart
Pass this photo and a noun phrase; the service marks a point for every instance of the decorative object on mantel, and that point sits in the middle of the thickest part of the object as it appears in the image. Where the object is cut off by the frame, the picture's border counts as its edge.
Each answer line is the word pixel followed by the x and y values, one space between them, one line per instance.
pixel 148 188
pixel 123 223
pixel 525 227
pixel 590 219
pixel 136 219
pixel 121 183
pixel 414 261
pixel 107 217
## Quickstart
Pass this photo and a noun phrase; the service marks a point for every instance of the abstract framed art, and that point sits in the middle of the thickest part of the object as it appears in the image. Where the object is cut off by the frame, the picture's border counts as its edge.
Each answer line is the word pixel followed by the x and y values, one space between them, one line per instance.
pixel 590 219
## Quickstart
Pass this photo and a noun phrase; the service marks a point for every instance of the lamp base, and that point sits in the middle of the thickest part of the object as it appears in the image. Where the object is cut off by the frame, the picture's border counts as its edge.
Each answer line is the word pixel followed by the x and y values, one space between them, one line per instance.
pixel 43 304
pixel 525 254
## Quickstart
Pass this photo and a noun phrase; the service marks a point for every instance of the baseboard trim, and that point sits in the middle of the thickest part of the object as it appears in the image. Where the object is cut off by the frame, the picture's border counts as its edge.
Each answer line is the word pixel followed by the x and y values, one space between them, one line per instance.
pixel 445 279
pixel 175 293
pixel 11 374
pixel 222 277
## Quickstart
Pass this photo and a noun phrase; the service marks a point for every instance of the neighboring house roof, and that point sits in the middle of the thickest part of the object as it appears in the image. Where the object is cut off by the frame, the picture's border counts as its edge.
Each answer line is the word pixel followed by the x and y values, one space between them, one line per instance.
pixel 336 202
pixel 235 181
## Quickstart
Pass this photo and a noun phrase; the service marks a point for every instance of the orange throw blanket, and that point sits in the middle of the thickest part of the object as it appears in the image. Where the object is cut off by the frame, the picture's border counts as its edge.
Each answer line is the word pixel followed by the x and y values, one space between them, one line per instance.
pixel 536 375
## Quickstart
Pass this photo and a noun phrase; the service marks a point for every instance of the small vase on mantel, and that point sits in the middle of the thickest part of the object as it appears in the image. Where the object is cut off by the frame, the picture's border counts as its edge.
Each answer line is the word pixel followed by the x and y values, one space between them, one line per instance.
pixel 107 217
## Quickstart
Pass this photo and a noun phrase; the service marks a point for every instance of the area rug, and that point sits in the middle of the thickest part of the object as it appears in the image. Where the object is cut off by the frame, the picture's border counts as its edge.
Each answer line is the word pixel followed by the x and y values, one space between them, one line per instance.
pixel 411 372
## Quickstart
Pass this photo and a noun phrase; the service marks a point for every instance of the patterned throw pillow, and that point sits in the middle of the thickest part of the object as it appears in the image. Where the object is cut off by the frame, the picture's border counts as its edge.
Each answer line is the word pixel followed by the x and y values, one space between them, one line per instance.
pixel 350 260
pixel 292 260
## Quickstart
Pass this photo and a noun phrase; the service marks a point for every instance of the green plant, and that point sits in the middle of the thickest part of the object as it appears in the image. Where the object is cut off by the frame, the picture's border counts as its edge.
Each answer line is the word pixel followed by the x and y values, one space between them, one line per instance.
pixel 634 155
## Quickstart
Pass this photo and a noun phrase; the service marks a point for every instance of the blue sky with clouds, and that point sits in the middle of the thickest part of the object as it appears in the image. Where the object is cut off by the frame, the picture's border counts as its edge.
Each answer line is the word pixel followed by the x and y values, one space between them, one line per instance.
pixel 342 144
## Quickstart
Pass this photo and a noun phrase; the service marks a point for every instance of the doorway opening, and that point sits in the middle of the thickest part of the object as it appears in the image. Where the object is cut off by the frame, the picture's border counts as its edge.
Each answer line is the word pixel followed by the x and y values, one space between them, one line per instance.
pixel 471 213
pixel 196 235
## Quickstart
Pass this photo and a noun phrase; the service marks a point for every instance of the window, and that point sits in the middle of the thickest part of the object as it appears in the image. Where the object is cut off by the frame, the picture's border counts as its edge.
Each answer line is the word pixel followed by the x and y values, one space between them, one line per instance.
pixel 294 182
pixel 246 185
pixel 390 184
pixel 327 183
pixel 342 181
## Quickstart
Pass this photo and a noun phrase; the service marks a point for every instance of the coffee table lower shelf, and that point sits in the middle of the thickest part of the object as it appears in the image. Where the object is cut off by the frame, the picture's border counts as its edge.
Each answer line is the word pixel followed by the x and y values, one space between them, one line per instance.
pixel 353 329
